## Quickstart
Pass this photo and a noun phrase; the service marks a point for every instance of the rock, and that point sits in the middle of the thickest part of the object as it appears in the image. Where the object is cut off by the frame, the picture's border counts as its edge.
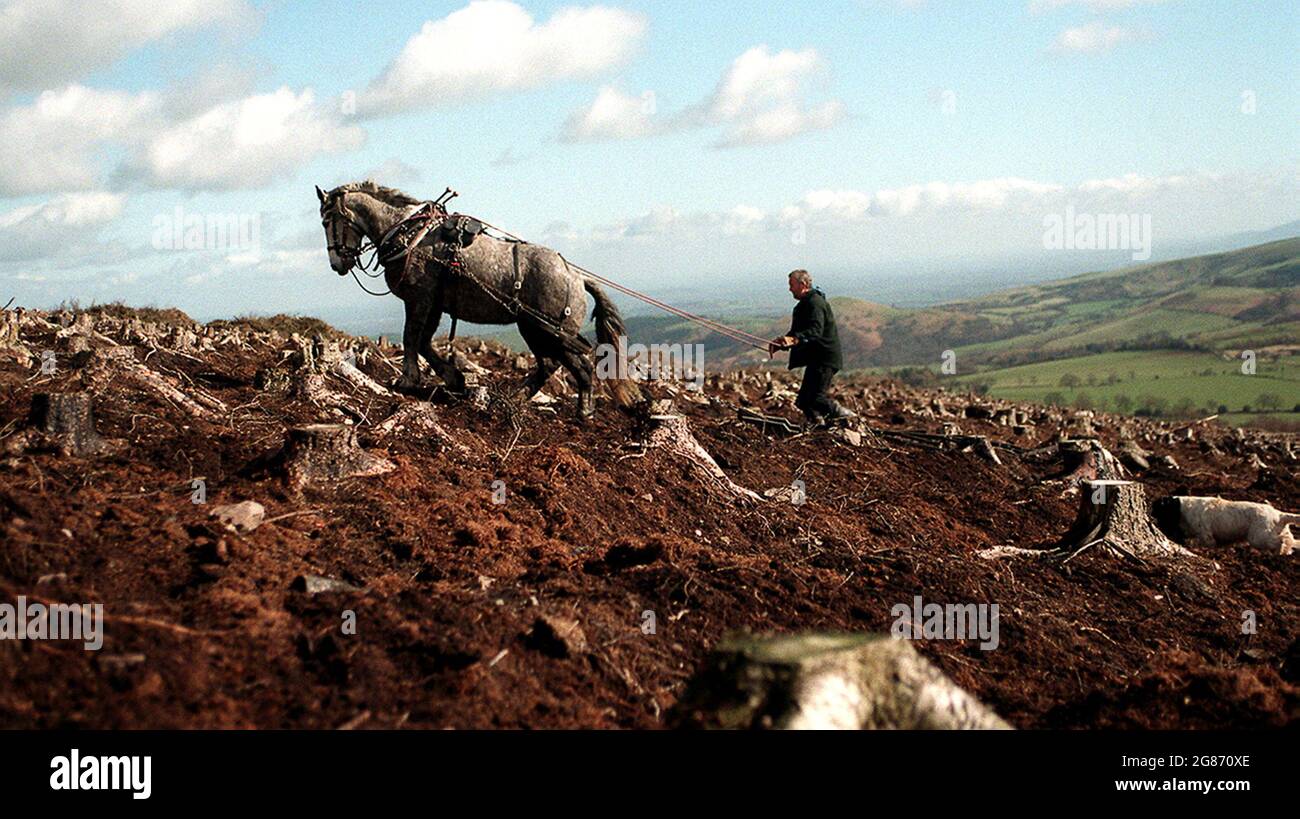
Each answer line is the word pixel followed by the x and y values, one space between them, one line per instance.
pixel 557 636
pixel 1192 587
pixel 784 494
pixel 242 517
pixel 315 584
pixel 850 436
pixel 478 397
pixel 826 681
pixel 118 663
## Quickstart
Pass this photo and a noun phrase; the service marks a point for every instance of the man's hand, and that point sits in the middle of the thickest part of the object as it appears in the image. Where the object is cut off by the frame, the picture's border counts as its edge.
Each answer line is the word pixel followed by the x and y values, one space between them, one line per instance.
pixel 782 343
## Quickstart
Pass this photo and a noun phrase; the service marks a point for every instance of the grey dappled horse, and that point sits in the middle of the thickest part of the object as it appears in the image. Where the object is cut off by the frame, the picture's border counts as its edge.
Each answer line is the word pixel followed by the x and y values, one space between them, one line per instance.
pixel 500 282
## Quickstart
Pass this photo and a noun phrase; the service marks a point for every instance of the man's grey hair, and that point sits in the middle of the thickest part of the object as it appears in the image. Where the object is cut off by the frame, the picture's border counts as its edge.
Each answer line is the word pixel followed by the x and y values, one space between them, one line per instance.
pixel 802 276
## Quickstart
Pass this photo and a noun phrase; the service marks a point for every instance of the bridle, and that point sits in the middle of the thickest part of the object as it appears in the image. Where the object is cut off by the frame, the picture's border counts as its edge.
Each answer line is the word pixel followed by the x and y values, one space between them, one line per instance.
pixel 337 223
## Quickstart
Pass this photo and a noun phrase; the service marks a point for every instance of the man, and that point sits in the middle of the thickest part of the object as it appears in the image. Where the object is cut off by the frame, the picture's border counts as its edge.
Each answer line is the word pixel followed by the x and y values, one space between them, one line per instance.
pixel 814 344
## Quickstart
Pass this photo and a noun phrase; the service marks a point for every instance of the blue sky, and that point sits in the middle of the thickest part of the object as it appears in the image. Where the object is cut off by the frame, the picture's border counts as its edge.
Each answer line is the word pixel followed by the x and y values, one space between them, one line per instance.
pixel 888 136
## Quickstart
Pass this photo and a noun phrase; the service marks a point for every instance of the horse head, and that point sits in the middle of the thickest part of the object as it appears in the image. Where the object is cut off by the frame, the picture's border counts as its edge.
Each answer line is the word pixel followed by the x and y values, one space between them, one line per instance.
pixel 343 233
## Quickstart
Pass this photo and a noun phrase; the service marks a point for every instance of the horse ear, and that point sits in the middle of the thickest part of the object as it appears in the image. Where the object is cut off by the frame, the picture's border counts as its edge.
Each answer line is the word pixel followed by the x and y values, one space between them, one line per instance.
pixel 320 194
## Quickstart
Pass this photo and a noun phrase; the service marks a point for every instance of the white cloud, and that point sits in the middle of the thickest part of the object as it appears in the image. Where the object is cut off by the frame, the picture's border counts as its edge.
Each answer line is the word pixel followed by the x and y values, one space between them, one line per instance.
pixel 783 122
pixel 742 220
pixel 932 205
pixel 759 100
pixel 60 227
pixel 49 42
pixel 1093 38
pixel 614 115
pixel 50 145
pixel 1133 184
pixel 246 143
pixel 60 142
pixel 851 205
pixel 494 46
pixel 760 97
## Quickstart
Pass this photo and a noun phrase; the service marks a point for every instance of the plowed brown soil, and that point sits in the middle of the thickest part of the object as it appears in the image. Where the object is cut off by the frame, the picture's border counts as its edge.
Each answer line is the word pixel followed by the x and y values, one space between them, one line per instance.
pixel 594 530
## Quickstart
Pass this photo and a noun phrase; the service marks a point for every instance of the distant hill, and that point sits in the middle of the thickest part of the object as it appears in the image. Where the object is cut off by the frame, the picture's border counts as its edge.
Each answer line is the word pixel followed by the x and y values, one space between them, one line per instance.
pixel 1222 301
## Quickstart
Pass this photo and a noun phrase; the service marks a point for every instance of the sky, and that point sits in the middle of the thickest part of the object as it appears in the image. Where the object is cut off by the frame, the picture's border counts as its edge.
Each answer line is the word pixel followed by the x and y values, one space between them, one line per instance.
pixel 678 147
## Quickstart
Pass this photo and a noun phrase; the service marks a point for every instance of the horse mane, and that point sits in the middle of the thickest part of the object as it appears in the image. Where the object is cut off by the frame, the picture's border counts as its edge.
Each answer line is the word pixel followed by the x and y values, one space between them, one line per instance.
pixel 390 196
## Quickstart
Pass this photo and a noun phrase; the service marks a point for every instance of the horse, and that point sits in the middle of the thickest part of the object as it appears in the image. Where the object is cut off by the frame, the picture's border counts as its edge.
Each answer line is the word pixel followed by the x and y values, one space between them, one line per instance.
pixel 493 281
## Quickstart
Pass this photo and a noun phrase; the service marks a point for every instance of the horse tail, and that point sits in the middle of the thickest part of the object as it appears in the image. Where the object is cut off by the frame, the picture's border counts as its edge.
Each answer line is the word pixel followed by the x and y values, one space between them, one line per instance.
pixel 609 327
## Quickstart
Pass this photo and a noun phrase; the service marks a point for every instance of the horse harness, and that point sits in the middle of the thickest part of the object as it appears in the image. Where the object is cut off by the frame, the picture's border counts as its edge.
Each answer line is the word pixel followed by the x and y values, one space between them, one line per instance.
pixel 446 235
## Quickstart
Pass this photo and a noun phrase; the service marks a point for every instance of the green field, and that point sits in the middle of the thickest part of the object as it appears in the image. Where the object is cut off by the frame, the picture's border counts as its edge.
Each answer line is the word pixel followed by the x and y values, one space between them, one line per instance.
pixel 1171 381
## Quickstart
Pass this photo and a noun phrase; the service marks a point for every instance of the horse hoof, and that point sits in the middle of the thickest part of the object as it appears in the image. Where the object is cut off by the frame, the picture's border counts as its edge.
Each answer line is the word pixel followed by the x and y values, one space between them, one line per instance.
pixel 405 387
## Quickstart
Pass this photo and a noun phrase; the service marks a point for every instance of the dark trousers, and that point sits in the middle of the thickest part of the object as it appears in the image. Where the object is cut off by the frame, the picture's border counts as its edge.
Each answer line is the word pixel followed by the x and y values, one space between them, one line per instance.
pixel 813 399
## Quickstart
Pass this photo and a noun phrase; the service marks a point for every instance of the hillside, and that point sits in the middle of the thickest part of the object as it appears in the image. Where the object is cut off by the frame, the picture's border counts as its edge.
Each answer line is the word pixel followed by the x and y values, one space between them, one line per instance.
pixel 498 560
pixel 1196 314
pixel 1224 301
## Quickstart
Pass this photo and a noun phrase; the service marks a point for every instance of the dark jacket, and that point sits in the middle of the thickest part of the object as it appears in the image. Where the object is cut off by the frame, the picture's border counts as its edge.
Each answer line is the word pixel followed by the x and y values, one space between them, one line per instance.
pixel 813 327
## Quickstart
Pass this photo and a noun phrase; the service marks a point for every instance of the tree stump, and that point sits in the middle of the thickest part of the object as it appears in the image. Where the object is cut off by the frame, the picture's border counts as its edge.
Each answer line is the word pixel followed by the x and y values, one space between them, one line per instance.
pixel 672 434
pixel 1115 516
pixel 329 452
pixel 11 344
pixel 1088 460
pixel 67 421
pixel 826 681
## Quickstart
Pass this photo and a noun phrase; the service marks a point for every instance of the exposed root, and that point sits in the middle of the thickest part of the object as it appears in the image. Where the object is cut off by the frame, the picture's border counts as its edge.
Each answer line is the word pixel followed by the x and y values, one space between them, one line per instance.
pixel 672 434
pixel 197 403
pixel 417 418
pixel 348 372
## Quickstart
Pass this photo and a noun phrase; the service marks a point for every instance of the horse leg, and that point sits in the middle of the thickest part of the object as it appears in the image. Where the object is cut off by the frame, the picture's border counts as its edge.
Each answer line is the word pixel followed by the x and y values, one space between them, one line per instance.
pixel 543 348
pixel 417 314
pixel 446 370
pixel 583 372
